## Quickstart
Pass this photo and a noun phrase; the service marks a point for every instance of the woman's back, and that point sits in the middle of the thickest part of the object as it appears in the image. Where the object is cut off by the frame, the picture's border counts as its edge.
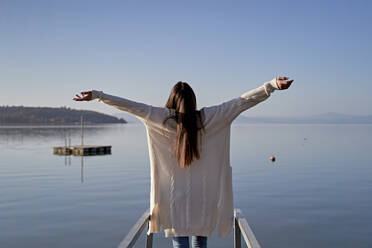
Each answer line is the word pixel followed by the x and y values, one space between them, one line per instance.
pixel 191 201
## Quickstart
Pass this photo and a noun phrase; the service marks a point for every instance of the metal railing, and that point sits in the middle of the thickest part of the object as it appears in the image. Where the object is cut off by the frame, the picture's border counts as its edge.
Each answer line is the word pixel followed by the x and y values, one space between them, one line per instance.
pixel 241 227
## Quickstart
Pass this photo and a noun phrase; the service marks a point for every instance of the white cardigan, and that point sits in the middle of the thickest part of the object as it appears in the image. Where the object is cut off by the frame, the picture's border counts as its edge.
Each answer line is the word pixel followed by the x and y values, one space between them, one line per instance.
pixel 192 200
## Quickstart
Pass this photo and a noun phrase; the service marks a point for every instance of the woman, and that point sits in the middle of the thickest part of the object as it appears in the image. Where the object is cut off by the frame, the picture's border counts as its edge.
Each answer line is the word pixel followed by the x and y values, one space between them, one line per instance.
pixel 189 149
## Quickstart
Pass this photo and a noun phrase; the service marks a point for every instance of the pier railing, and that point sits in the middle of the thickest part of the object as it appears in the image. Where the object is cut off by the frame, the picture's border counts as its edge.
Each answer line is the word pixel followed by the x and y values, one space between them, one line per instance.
pixel 241 228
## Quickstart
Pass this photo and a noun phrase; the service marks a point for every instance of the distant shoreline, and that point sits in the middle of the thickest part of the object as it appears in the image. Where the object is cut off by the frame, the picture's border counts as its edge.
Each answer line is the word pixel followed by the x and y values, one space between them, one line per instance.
pixel 63 116
pixel 19 115
pixel 20 125
pixel 60 125
pixel 327 118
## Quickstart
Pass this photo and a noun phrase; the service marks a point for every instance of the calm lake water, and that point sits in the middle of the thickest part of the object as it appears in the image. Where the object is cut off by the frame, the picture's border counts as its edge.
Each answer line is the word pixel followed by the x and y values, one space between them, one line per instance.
pixel 317 194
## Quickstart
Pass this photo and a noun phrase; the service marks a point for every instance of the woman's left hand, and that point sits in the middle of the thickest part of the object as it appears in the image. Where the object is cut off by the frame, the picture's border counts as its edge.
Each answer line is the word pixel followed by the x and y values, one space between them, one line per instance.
pixel 283 83
pixel 85 96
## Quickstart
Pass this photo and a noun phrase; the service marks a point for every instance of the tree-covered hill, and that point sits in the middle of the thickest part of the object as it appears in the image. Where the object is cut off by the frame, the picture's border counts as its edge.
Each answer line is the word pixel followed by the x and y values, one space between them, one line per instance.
pixel 52 116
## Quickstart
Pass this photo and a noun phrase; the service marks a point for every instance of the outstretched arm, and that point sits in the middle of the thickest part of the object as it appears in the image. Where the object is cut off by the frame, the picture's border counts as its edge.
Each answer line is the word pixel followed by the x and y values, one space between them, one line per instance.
pixel 229 110
pixel 141 110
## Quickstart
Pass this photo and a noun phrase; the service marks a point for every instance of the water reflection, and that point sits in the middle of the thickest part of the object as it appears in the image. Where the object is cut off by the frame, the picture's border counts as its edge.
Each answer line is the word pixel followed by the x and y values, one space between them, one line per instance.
pixel 18 135
pixel 321 178
pixel 82 169
pixel 67 162
pixel 34 138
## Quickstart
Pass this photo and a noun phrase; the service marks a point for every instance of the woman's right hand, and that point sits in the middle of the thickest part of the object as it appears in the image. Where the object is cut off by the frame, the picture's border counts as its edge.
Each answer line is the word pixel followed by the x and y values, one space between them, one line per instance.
pixel 85 96
pixel 283 83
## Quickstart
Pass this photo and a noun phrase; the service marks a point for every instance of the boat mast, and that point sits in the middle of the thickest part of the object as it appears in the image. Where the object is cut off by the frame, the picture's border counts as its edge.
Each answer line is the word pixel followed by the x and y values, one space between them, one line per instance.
pixel 82 130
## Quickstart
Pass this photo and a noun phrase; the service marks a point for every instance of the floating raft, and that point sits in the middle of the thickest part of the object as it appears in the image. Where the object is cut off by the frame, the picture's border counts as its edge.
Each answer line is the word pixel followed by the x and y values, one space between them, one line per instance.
pixel 82 150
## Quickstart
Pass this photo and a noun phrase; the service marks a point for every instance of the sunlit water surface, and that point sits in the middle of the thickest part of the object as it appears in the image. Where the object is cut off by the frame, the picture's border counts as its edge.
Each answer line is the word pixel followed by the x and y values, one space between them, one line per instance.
pixel 316 194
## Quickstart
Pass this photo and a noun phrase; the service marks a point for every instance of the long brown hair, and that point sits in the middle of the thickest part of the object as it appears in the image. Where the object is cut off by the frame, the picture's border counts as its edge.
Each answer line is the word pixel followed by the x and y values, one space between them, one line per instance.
pixel 189 122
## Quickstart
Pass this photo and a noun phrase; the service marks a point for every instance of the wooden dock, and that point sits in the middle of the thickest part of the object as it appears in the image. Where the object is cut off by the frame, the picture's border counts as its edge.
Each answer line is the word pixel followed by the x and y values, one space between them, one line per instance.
pixel 82 150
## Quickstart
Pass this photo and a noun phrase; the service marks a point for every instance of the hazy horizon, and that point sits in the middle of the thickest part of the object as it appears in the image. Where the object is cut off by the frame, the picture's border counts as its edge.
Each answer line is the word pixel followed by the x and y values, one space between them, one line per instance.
pixel 244 114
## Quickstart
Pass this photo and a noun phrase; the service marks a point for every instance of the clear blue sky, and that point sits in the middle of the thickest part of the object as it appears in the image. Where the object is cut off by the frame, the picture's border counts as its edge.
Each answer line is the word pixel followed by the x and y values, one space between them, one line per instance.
pixel 50 50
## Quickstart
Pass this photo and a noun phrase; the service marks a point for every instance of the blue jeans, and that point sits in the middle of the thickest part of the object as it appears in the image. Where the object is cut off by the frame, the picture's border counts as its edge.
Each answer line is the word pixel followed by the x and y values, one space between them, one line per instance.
pixel 196 241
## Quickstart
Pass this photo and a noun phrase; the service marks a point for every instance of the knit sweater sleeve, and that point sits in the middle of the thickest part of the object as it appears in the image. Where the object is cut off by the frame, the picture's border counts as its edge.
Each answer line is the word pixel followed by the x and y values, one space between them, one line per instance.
pixel 228 111
pixel 141 110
